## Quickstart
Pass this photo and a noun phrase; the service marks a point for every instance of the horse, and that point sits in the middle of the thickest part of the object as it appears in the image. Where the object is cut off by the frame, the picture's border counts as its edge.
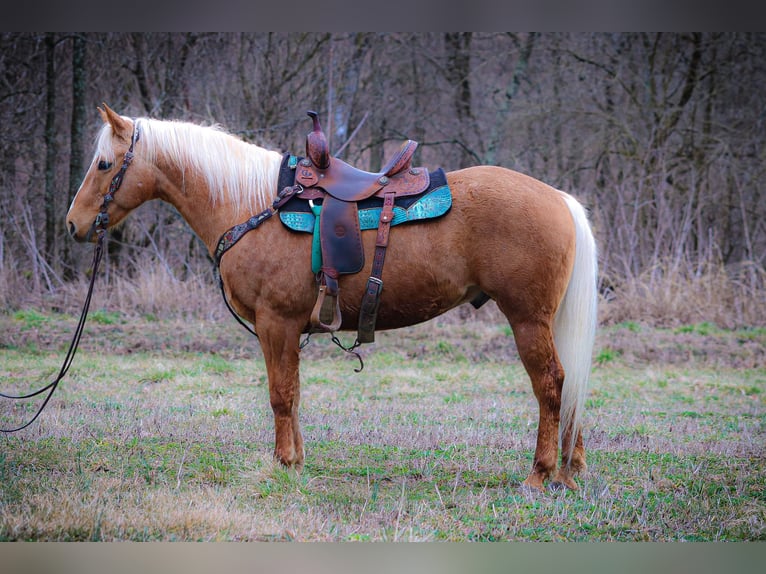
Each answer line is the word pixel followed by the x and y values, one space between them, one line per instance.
pixel 526 245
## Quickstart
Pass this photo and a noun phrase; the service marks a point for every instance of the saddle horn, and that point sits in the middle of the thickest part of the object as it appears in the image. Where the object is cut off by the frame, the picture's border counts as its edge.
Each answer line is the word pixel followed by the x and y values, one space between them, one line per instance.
pixel 317 148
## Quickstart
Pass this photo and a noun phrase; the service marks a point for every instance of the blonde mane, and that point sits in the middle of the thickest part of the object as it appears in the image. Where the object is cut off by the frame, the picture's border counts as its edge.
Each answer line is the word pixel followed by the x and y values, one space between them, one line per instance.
pixel 234 170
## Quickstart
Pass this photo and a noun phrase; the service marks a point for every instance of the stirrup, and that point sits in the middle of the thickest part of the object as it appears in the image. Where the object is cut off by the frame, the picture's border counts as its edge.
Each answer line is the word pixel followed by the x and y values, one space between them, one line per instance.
pixel 326 317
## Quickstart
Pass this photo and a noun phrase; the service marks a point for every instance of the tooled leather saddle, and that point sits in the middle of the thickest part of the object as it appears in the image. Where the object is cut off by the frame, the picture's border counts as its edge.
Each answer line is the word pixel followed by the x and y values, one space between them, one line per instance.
pixel 340 187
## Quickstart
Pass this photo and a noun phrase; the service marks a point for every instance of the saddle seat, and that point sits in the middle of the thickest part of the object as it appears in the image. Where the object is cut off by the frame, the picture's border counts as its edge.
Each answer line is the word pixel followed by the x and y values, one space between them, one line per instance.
pixel 348 183
pixel 340 186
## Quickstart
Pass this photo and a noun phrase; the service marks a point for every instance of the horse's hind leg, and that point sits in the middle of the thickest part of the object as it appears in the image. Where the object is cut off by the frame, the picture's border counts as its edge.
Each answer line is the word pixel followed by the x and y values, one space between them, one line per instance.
pixel 575 465
pixel 534 340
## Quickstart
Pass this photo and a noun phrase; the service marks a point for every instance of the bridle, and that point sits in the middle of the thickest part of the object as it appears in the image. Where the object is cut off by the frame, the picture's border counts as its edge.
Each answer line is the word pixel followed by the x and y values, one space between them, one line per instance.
pixel 99 227
pixel 102 219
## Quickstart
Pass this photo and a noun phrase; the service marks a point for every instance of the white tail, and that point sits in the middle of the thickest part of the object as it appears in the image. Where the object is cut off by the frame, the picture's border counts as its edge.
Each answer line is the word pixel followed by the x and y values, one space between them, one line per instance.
pixel 574 328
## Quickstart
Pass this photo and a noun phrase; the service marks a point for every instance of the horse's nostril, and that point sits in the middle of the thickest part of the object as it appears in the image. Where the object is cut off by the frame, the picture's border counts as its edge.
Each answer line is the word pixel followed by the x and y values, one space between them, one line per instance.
pixel 72 228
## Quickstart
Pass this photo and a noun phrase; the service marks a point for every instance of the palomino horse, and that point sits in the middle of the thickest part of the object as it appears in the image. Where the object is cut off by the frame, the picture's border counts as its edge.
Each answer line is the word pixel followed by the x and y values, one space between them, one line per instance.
pixel 523 243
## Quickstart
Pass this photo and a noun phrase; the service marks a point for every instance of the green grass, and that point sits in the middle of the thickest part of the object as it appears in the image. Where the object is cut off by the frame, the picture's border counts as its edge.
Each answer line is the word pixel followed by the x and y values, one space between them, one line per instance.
pixel 30 318
pixel 606 355
pixel 430 442
pixel 705 328
pixel 105 317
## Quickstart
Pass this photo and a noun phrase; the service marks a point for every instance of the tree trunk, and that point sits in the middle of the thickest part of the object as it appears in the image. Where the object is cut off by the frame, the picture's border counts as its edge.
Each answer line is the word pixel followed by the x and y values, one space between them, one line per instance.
pixel 458 70
pixel 139 71
pixel 77 133
pixel 51 149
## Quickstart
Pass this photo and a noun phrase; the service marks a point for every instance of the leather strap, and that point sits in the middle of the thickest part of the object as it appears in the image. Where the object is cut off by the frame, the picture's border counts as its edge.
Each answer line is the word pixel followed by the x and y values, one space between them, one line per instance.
pixel 368 312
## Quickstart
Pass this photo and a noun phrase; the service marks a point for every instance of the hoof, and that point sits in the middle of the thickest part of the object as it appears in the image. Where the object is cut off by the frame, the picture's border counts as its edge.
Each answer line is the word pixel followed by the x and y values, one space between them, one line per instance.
pixel 576 466
pixel 296 465
pixel 533 483
pixel 563 480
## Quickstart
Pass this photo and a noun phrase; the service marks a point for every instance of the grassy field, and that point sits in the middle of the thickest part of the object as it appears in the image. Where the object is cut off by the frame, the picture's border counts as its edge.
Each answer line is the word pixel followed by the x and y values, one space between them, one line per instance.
pixel 163 431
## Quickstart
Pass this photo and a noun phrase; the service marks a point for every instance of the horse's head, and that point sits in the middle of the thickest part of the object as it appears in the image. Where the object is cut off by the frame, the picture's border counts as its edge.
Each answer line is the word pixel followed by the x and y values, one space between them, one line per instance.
pixel 124 184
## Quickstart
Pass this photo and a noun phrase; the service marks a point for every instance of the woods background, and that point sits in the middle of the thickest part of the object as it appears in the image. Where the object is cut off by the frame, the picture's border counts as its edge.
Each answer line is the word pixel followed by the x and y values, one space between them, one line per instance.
pixel 661 136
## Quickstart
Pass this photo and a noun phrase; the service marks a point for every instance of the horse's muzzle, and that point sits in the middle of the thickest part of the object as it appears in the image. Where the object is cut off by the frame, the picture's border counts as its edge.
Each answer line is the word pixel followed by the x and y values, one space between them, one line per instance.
pixel 72 228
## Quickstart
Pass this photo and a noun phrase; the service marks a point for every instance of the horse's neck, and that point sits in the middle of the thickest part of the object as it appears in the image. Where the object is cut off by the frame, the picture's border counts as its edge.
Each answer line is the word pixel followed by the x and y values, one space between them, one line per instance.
pixel 211 214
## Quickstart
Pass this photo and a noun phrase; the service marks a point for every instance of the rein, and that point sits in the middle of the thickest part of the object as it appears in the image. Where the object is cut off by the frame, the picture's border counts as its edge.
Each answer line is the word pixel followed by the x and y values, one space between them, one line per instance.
pixel 99 227
pixel 51 387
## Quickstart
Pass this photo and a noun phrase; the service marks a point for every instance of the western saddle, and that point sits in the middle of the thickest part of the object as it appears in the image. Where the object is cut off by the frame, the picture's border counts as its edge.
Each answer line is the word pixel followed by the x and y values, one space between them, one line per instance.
pixel 340 186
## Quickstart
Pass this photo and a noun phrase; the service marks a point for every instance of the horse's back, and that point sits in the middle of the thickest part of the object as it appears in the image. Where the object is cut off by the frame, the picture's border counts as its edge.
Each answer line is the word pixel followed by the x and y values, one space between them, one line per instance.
pixel 486 189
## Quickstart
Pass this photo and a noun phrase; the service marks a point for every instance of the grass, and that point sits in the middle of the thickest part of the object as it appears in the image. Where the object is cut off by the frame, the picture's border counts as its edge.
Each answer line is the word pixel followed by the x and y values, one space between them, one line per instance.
pixel 162 431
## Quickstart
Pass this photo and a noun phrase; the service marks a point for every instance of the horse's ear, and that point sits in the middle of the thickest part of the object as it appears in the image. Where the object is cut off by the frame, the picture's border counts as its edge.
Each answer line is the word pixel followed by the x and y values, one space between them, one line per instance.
pixel 121 127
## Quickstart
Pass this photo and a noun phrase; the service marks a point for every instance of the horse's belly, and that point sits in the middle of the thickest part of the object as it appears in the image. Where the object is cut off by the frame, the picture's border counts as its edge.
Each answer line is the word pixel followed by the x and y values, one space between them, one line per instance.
pixel 411 296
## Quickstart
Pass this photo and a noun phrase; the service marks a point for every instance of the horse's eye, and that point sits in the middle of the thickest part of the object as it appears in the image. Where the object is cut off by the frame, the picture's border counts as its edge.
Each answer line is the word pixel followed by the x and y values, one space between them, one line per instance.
pixel 103 165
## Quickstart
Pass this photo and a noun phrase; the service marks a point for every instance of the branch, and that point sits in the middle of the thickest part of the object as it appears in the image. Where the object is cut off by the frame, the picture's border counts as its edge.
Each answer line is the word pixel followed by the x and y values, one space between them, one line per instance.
pixel 348 140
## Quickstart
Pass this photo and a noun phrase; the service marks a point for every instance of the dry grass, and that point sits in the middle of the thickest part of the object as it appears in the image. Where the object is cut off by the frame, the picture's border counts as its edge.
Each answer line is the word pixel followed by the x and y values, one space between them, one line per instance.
pixel 668 295
pixel 167 437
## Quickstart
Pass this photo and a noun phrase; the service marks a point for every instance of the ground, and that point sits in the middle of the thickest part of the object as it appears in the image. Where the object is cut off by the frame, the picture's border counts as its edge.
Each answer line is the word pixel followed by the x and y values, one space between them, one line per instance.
pixel 162 431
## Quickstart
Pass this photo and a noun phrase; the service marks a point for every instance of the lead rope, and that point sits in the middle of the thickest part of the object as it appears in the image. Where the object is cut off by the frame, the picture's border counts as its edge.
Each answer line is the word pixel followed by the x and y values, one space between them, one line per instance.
pixel 99 227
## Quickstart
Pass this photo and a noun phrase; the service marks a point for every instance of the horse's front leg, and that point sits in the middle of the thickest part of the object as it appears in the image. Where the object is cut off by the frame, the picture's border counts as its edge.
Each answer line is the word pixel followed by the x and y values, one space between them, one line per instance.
pixel 280 341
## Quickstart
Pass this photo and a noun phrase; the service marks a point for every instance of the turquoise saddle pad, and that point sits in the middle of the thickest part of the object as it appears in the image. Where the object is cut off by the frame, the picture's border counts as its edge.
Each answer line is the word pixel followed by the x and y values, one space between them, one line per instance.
pixel 297 214
pixel 429 205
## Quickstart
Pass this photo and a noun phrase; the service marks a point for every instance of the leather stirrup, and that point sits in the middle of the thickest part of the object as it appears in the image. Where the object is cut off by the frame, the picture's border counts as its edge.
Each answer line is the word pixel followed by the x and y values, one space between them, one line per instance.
pixel 326 317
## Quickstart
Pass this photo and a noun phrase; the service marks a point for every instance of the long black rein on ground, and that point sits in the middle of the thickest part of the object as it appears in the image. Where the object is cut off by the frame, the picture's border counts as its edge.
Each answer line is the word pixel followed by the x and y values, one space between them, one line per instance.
pixel 99 227
pixel 51 387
